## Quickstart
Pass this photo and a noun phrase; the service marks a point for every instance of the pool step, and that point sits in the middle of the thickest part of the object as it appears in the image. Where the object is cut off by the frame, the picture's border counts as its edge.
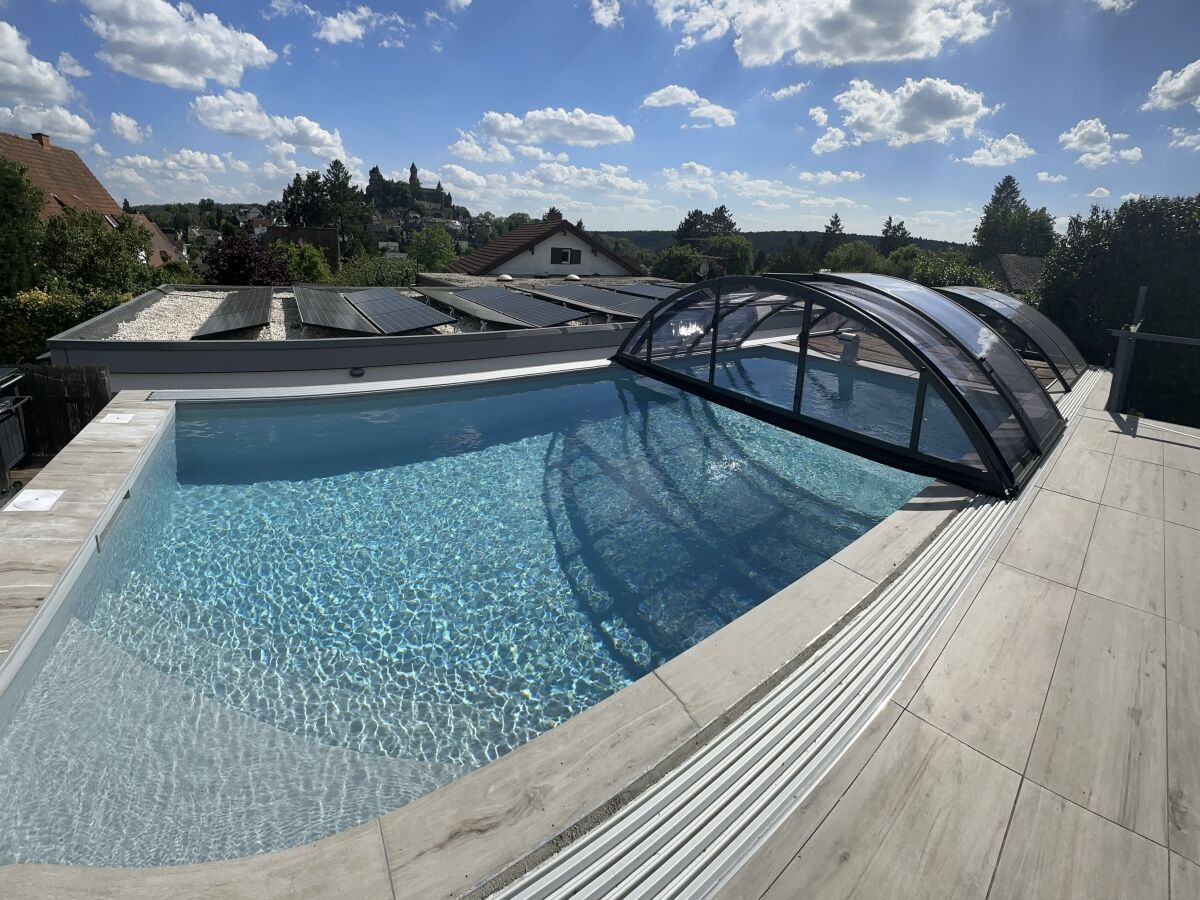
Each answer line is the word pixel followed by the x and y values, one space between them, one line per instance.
pixel 139 769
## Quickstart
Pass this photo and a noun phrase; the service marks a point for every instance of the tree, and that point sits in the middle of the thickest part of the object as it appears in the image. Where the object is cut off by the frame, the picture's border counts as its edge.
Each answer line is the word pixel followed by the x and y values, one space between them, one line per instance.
pixel 833 236
pixel 679 263
pixel 20 229
pixel 125 207
pixel 793 256
pixel 694 228
pixel 857 256
pixel 305 202
pixel 306 263
pixel 1008 225
pixel 721 222
pixel 893 236
pixel 735 255
pixel 239 259
pixel 81 253
pixel 432 249
pixel 950 267
pixel 347 209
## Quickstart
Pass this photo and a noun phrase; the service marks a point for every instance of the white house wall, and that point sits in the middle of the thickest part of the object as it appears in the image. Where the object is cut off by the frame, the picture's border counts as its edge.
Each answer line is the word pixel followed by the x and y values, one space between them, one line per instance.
pixel 591 261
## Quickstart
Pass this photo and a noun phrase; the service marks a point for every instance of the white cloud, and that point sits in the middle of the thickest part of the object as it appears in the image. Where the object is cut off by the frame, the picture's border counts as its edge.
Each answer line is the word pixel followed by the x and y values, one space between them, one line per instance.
pixel 818 115
pixel 828 177
pixel 1091 140
pixel 195 160
pixel 1174 88
pixel 1051 179
pixel 606 13
pixel 790 91
pixel 1133 196
pixel 556 175
pixel 100 151
pixel 931 109
pixel 829 33
pixel 239 113
pixel 468 147
pixel 173 45
pixel 69 65
pixel 576 128
pixel 1117 6
pixel 700 108
pixel 457 5
pixel 25 79
pixel 539 154
pixel 352 24
pixel 766 204
pixel 691 179
pixel 999 151
pixel 696 180
pixel 58 122
pixel 832 139
pixel 236 164
pixel 127 128
pixel 458 175
pixel 904 199
pixel 1182 139
pixel 1098 193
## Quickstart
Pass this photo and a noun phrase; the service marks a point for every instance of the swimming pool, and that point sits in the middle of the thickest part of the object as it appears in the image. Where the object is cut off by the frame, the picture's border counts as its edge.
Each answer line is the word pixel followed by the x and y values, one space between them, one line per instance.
pixel 312 612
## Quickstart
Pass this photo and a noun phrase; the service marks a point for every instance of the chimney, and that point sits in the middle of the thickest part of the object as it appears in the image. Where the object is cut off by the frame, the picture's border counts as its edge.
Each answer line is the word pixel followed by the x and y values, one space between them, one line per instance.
pixel 43 139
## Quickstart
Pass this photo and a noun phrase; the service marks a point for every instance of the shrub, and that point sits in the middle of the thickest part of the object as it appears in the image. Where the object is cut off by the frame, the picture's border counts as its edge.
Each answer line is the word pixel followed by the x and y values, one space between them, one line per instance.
pixel 950 267
pixel 239 259
pixel 306 263
pixel 31 317
pixel 20 229
pixel 678 263
pixel 734 254
pixel 432 249
pixel 82 253
pixel 857 256
pixel 177 272
pixel 376 271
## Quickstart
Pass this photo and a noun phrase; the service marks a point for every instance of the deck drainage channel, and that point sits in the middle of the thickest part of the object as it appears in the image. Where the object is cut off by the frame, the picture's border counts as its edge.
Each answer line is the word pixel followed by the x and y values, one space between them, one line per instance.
pixel 691 832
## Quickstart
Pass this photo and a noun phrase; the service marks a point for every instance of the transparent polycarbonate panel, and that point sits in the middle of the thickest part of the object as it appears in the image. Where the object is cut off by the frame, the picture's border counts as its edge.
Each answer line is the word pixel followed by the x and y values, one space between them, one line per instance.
pixel 981 340
pixel 941 434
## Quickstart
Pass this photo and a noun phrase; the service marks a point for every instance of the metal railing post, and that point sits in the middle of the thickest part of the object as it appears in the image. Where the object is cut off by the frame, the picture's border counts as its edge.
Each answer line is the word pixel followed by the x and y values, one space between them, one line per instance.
pixel 1124 361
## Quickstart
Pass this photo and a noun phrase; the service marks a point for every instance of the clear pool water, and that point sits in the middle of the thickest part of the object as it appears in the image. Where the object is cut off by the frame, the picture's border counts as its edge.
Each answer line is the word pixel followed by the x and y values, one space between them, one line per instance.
pixel 313 612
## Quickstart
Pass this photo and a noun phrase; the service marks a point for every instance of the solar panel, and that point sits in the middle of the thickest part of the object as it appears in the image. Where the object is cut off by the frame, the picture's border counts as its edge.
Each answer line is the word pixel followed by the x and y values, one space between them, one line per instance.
pixel 330 310
pixel 393 312
pixel 240 309
pixel 656 291
pixel 530 310
pixel 598 298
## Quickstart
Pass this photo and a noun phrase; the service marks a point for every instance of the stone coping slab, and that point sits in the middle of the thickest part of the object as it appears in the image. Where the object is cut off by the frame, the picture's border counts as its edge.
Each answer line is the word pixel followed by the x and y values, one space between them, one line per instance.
pixel 490 826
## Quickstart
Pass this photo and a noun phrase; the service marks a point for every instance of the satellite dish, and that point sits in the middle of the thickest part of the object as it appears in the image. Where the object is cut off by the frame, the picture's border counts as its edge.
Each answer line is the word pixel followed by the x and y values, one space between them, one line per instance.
pixel 571 277
pixel 504 278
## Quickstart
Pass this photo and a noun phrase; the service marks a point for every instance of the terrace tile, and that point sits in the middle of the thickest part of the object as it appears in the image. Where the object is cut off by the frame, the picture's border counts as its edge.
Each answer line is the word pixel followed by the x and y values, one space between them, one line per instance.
pixel 1055 849
pixel 1125 560
pixel 1135 486
pixel 1183 574
pixel 924 819
pixel 989 685
pixel 1182 497
pixel 1181 452
pixel 1070 520
pixel 1102 738
pixel 1145 444
pixel 1185 879
pixel 1183 740
pixel 1095 434
pixel 1081 474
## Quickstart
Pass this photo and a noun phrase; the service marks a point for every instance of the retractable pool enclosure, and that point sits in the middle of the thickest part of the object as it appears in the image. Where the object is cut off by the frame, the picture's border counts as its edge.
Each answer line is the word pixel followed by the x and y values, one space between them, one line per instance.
pixel 877 366
pixel 1026 328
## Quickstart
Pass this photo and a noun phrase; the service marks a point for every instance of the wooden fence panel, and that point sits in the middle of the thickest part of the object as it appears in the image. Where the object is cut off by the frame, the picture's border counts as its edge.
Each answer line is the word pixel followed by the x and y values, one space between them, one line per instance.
pixel 62 401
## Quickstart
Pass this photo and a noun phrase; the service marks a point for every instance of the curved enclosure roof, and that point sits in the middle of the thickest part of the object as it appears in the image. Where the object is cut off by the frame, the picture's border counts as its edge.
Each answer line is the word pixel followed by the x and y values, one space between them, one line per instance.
pixel 1026 328
pixel 877 366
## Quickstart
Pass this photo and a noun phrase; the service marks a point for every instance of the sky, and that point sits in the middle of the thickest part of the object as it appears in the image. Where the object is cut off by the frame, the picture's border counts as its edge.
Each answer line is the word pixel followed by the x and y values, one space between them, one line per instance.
pixel 625 113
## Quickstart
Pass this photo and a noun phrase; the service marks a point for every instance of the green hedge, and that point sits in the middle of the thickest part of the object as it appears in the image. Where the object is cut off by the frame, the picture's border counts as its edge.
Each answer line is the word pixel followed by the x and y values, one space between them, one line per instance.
pixel 31 317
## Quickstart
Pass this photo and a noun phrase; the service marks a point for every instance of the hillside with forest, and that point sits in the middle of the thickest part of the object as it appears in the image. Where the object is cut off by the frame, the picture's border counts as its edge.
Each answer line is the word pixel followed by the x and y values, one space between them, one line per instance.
pixel 762 241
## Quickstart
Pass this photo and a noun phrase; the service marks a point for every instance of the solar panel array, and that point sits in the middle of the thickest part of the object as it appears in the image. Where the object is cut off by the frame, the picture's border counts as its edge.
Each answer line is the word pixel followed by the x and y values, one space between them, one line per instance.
pixel 240 309
pixel 330 309
pixel 393 312
pixel 606 301
pixel 530 310
pixel 656 291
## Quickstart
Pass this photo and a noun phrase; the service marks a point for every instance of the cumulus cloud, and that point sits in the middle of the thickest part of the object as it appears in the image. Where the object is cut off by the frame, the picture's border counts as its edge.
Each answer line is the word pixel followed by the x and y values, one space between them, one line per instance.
pixel 832 139
pixel 1051 179
pixel 1090 138
pixel 173 45
pixel 352 24
pixel 236 165
pixel 904 199
pixel 767 204
pixel 999 151
pixel 1098 193
pixel 69 65
pixel 127 128
pixel 575 128
pixel 828 177
pixel 540 155
pixel 461 176
pixel 699 107
pixel 239 113
pixel 100 151
pixel 1133 196
pixel 1117 6
pixel 469 148
pixel 696 180
pixel 557 175
pixel 931 109
pixel 1175 88
pixel 819 115
pixel 457 5
pixel 790 91
pixel 1182 139
pixel 24 78
pixel 828 33
pixel 606 13
pixel 56 121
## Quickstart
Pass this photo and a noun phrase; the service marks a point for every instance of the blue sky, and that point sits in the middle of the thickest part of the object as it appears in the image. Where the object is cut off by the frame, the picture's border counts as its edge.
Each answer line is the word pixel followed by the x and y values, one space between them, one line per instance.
pixel 625 113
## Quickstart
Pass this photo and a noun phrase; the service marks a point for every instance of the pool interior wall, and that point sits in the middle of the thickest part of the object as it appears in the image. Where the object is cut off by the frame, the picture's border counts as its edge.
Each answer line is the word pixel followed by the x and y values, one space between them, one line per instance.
pixel 312 612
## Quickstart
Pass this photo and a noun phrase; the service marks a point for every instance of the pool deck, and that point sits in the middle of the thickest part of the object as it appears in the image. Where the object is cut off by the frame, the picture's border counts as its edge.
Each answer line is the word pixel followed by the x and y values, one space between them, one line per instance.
pixel 1047 742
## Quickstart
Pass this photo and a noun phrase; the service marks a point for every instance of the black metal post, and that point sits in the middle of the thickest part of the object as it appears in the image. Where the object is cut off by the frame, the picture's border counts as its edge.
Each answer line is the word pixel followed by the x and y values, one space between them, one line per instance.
pixel 1126 342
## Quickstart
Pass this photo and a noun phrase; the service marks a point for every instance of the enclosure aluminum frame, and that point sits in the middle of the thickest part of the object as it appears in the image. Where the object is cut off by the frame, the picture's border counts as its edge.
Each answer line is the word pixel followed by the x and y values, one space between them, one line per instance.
pixel 991 305
pixel 997 476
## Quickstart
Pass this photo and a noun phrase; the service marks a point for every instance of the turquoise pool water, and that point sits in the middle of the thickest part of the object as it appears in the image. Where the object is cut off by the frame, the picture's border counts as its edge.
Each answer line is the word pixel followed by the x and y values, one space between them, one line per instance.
pixel 313 612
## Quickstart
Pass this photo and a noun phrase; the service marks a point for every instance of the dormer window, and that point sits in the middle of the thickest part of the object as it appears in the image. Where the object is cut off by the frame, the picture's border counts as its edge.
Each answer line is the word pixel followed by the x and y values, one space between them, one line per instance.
pixel 565 256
